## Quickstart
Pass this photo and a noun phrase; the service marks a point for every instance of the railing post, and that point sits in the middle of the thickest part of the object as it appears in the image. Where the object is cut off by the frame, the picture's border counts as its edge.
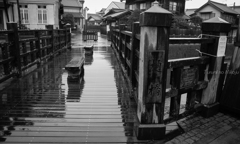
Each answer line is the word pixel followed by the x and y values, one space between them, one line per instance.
pixel 218 29
pixel 50 27
pixel 230 96
pixel 16 49
pixel 133 52
pixel 39 53
pixel 154 44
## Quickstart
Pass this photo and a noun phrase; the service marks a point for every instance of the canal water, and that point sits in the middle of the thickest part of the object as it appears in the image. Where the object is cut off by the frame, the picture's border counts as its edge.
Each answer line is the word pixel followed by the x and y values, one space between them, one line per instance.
pixel 43 107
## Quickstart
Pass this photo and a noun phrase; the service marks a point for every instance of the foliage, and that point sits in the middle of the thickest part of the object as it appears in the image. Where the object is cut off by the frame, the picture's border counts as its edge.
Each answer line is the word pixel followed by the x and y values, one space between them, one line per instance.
pixel 68 18
pixel 179 22
pixel 130 19
pixel 134 17
pixel 196 21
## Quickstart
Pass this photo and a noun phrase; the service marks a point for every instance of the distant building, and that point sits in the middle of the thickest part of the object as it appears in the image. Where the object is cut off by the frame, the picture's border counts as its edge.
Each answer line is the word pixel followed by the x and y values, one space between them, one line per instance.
pixel 75 8
pixel 236 8
pixel 190 12
pixel 213 9
pixel 94 19
pixel 34 14
pixel 175 6
pixel 115 5
pixel 101 12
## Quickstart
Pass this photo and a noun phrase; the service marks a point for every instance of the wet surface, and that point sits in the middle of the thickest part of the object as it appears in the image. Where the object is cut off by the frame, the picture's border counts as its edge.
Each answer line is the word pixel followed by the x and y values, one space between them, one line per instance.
pixel 43 107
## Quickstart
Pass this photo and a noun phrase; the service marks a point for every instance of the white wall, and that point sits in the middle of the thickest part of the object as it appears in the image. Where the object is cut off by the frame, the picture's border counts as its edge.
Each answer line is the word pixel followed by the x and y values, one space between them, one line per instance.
pixel 77 10
pixel 52 16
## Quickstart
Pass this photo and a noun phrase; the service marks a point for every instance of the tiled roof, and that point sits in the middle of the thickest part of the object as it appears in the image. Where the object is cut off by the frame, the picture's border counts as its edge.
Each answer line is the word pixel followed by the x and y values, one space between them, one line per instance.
pixel 224 7
pixel 71 3
pixel 118 14
pixel 221 7
pixel 94 16
pixel 114 10
pixel 120 5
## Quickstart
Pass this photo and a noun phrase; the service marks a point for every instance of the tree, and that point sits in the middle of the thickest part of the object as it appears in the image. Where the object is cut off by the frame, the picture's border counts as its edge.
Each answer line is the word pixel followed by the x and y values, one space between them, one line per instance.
pixel 196 21
pixel 179 22
pixel 68 18
pixel 134 17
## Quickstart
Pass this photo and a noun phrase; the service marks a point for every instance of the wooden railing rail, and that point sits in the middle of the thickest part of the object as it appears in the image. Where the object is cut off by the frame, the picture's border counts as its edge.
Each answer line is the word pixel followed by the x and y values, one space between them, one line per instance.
pixel 24 49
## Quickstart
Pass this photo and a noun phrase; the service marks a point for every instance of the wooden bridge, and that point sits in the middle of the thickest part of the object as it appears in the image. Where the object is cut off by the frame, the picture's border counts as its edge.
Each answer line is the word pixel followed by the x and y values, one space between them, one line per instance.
pixel 130 92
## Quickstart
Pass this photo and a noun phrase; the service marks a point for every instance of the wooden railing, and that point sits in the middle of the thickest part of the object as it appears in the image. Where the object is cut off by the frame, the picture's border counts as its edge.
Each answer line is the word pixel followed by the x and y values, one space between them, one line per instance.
pixel 187 75
pixel 90 35
pixel 22 49
pixel 127 46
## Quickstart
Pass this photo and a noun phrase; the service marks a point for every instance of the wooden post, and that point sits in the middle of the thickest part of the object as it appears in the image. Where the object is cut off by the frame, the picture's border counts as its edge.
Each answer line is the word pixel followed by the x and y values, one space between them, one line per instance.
pixel 39 53
pixel 154 44
pixel 133 48
pixel 218 29
pixel 231 94
pixel 16 49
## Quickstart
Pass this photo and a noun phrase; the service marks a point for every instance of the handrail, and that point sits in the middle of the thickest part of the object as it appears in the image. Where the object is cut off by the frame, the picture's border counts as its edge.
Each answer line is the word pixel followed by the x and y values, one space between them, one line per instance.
pixel 174 63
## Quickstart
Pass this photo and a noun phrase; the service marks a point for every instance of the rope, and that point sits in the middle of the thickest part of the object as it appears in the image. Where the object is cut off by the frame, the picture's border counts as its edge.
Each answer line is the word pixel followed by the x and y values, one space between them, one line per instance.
pixel 201 53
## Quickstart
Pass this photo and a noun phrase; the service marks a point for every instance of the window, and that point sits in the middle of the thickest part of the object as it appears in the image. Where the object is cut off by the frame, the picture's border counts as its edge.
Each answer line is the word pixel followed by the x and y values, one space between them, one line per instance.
pixel 143 6
pixel 24 14
pixel 172 6
pixel 208 15
pixel 42 15
pixel 131 7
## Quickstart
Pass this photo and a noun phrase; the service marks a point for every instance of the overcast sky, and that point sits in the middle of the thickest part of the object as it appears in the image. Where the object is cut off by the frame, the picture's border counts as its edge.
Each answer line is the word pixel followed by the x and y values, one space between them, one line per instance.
pixel 97 5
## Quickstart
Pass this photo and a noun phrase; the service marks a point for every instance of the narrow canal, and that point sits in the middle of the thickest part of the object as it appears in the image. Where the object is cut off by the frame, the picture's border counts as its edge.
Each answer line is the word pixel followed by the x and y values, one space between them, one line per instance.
pixel 43 107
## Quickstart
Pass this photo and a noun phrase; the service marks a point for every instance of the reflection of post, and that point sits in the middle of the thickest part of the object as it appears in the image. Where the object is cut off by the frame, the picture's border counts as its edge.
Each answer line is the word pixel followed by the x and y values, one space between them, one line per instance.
pixel 75 90
pixel 218 27
pixel 154 44
pixel 231 94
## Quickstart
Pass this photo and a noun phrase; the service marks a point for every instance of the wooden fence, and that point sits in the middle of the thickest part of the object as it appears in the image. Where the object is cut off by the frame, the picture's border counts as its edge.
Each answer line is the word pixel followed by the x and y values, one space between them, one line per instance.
pixel 127 45
pixel 143 54
pixel 23 49
pixel 90 35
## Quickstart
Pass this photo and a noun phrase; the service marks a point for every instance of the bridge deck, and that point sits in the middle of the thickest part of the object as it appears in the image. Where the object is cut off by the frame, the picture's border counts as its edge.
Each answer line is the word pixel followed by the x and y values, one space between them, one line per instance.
pixel 44 107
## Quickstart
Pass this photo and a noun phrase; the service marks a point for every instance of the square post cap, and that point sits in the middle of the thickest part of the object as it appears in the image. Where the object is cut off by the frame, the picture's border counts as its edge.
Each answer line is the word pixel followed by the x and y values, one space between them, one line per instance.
pixel 156 16
pixel 216 24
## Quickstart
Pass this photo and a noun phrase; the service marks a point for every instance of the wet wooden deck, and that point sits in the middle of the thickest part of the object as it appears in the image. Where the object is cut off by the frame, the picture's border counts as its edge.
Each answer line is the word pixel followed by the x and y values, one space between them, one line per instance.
pixel 43 107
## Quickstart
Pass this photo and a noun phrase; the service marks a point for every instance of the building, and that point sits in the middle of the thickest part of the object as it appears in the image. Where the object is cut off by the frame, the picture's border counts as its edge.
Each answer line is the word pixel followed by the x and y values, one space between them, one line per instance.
pixel 101 12
pixel 175 6
pixel 94 19
pixel 75 8
pixel 34 14
pixel 236 8
pixel 214 9
pixel 190 12
pixel 115 5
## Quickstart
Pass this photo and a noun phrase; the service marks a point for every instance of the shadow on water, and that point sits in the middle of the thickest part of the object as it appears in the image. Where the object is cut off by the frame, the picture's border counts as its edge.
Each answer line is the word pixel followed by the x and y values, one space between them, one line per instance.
pixel 48 107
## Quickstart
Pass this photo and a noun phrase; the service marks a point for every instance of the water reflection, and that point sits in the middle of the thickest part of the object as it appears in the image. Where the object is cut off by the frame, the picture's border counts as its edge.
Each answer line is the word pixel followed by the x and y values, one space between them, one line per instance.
pixel 88 59
pixel 95 108
pixel 75 89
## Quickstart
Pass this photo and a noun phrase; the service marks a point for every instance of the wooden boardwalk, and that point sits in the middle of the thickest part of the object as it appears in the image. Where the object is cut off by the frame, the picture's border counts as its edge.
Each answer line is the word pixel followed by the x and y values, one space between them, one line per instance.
pixel 44 107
